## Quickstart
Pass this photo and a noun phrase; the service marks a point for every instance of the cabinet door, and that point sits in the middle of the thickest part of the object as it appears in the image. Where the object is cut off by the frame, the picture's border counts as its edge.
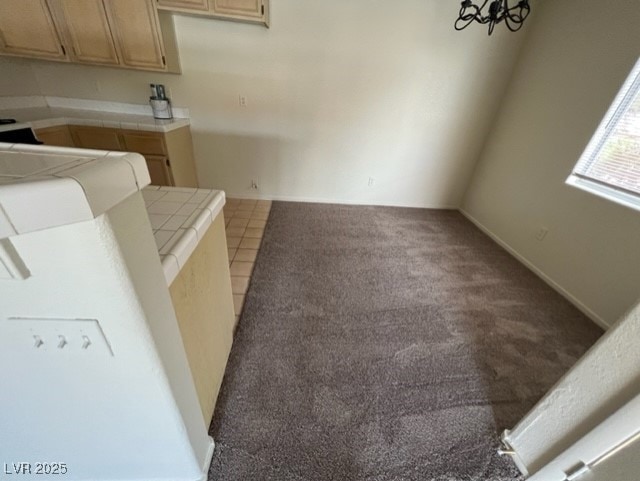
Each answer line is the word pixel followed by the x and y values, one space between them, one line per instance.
pixel 240 9
pixel 59 136
pixel 159 170
pixel 200 5
pixel 87 30
pixel 96 138
pixel 27 29
pixel 135 27
pixel 144 142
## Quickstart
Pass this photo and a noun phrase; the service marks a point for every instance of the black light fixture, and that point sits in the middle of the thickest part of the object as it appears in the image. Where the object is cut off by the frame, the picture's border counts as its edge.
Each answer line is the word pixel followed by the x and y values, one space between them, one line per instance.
pixel 499 10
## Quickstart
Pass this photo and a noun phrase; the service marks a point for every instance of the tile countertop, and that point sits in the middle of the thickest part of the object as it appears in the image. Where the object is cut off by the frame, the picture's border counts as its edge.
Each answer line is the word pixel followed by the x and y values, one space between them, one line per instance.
pixel 43 187
pixel 179 219
pixel 42 117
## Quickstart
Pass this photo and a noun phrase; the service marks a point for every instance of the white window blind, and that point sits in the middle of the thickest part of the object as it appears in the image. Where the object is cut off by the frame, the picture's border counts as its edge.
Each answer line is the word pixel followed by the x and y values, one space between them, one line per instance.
pixel 610 165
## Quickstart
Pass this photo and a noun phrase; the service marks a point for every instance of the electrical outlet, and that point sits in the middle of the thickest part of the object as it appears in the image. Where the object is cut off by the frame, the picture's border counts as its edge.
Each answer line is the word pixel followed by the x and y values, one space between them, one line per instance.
pixel 542 233
pixel 254 185
pixel 242 101
pixel 371 182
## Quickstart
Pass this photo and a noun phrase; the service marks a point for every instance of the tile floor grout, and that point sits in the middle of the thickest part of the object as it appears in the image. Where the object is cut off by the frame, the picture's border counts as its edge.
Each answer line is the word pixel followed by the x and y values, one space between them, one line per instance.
pixel 245 221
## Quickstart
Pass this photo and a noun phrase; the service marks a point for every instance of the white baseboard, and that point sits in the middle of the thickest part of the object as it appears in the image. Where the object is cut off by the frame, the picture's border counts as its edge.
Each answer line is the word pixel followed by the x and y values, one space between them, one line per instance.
pixel 532 267
pixel 207 460
pixel 320 200
pixel 515 457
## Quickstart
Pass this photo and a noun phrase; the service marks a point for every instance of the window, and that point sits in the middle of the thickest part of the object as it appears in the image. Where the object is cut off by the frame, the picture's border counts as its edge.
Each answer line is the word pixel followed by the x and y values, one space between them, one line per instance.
pixel 610 165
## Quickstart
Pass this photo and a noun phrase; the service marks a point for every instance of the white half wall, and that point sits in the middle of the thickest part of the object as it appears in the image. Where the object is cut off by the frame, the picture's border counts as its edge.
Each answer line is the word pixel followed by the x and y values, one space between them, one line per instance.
pixel 337 92
pixel 602 382
pixel 125 408
pixel 576 57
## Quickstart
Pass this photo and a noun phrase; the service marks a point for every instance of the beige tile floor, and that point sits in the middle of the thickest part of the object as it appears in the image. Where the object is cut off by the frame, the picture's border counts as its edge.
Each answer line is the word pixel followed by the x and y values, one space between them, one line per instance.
pixel 245 221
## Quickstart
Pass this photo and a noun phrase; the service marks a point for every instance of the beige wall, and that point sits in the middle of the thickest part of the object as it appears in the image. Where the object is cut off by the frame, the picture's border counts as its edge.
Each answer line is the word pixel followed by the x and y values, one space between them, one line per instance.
pixel 17 78
pixel 576 56
pixel 338 91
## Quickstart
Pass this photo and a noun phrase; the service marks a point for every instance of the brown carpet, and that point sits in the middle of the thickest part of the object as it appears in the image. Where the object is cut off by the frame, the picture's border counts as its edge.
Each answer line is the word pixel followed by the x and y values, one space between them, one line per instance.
pixel 386 344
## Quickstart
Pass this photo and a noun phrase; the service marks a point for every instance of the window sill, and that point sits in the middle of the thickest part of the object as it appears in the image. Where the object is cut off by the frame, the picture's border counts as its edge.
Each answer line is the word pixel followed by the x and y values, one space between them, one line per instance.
pixel 614 195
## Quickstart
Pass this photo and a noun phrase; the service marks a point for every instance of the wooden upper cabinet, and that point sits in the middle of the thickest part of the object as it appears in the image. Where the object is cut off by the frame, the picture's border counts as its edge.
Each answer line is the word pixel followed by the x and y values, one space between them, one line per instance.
pixel 238 8
pixel 86 28
pixel 202 5
pixel 251 11
pixel 27 29
pixel 136 29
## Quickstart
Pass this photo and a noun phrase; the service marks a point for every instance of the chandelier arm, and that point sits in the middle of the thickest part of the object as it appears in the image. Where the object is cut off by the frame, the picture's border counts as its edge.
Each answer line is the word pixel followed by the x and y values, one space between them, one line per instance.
pixel 512 12
pixel 481 7
pixel 492 25
pixel 468 18
pixel 460 27
pixel 513 24
pixel 516 16
pixel 518 26
pixel 522 8
pixel 476 11
pixel 514 20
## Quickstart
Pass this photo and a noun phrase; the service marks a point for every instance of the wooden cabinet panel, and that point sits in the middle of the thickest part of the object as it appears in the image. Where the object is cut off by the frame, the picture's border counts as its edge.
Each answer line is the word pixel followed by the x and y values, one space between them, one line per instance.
pixel 238 8
pixel 87 30
pixel 135 27
pixel 156 147
pixel 180 150
pixel 159 170
pixel 27 29
pixel 251 11
pixel 59 136
pixel 144 142
pixel 96 138
pixel 202 5
pixel 203 303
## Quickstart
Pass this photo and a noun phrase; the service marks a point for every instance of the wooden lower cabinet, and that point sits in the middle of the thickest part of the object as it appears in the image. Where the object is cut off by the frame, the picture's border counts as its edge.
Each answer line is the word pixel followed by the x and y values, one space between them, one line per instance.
pixel 159 170
pixel 96 138
pixel 144 142
pixel 60 136
pixel 203 303
pixel 169 155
